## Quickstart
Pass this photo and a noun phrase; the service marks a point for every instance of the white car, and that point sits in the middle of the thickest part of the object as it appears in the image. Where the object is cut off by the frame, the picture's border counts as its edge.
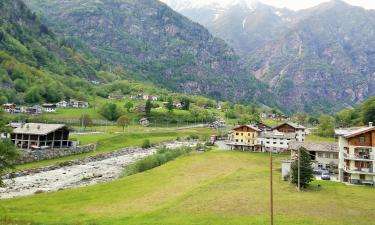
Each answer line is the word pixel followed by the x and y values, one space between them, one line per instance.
pixel 326 176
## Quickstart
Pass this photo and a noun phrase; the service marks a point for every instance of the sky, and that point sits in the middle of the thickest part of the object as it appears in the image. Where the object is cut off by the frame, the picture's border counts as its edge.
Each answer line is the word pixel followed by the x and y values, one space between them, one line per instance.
pixel 290 4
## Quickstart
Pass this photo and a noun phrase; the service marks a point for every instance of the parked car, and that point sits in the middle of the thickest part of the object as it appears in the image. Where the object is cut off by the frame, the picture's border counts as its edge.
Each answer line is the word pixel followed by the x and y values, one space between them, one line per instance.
pixel 326 176
pixel 320 171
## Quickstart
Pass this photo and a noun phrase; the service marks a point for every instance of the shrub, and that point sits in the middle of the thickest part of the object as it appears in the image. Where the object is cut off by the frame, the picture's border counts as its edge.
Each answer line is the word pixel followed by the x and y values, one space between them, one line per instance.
pixel 146 144
pixel 162 156
pixel 194 136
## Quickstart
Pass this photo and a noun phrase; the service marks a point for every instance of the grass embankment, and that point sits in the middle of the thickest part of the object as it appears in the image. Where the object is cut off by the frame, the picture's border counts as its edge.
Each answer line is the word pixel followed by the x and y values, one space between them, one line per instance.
pixel 110 142
pixel 315 138
pixel 217 187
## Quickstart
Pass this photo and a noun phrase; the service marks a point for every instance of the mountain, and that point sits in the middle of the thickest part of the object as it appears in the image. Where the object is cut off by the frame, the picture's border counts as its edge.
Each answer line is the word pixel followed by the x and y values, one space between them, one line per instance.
pixel 244 24
pixel 35 65
pixel 315 60
pixel 157 44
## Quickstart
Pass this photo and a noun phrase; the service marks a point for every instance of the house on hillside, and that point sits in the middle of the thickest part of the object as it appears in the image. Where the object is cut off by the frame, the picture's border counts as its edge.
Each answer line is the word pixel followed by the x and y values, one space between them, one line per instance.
pixel 49 107
pixel 34 110
pixel 78 104
pixel 9 107
pixel 39 135
pixel 357 155
pixel 275 141
pixel 116 97
pixel 325 156
pixel 289 127
pixel 62 104
pixel 263 127
pixel 244 137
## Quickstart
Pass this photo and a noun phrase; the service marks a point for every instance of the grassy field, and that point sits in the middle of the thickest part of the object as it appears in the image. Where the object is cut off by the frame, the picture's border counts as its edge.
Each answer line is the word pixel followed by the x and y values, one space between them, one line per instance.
pixel 217 187
pixel 110 142
pixel 315 138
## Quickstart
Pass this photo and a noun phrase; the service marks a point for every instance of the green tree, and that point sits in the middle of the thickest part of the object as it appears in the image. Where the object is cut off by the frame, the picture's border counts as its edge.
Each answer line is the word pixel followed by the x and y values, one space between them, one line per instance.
pixel 170 104
pixel 369 112
pixel 326 127
pixel 110 111
pixel 185 104
pixel 8 153
pixel 306 170
pixel 85 120
pixel 128 106
pixel 250 119
pixel 231 114
pixel 33 95
pixel 301 118
pixel 148 107
pixel 123 121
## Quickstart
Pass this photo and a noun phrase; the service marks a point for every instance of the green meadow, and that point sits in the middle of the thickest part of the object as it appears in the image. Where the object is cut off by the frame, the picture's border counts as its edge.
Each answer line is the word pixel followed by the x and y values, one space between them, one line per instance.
pixel 216 187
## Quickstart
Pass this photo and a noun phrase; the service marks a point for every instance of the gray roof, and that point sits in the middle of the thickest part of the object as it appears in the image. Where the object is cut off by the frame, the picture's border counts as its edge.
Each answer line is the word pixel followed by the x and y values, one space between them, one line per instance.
pixel 249 126
pixel 314 146
pixel 277 135
pixel 37 128
pixel 294 125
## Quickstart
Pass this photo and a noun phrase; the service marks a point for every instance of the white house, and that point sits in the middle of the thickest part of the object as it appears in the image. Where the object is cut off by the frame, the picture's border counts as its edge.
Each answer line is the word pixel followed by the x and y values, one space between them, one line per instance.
pixel 275 141
pixel 49 107
pixel 323 155
pixel 62 104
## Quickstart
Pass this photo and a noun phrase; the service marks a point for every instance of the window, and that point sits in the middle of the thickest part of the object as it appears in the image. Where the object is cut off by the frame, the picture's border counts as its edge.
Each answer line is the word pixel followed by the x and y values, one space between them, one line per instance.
pixel 248 134
pixel 320 155
pixel 237 133
pixel 362 139
pixel 274 143
pixel 241 140
pixel 335 155
pixel 281 143
pixel 328 155
pixel 267 142
pixel 241 134
pixel 236 140
pixel 320 165
pixel 328 166
pixel 362 176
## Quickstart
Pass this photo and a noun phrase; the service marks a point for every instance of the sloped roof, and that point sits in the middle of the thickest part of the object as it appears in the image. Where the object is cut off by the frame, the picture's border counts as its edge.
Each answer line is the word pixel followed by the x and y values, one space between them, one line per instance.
pixel 277 135
pixel 359 131
pixel 314 146
pixel 249 126
pixel 294 125
pixel 37 128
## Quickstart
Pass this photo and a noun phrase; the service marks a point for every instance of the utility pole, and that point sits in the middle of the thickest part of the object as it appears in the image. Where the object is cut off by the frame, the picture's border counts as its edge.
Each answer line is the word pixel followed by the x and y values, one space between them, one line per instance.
pixel 271 189
pixel 299 169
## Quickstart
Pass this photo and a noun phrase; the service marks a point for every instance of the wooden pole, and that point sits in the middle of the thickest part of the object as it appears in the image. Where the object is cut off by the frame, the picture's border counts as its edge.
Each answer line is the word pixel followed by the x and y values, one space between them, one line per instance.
pixel 271 189
pixel 299 170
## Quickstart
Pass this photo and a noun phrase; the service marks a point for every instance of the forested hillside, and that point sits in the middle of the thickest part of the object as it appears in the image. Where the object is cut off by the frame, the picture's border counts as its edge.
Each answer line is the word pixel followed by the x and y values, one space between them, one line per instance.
pixel 35 64
pixel 157 44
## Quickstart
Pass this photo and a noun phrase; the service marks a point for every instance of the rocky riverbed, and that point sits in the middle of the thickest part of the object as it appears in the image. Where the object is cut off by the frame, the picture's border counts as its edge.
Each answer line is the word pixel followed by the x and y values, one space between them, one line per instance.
pixel 77 173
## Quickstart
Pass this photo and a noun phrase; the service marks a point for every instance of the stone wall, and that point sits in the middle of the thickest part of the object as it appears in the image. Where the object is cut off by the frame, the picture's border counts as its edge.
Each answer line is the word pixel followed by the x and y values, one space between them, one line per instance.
pixel 28 156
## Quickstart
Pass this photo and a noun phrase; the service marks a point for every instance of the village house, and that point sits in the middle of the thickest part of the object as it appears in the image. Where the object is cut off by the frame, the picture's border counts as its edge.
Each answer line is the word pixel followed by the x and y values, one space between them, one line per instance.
pixel 9 107
pixel 289 127
pixel 244 137
pixel 275 141
pixel 34 110
pixel 263 127
pixel 357 155
pixel 325 156
pixel 116 97
pixel 78 104
pixel 38 135
pixel 49 107
pixel 62 104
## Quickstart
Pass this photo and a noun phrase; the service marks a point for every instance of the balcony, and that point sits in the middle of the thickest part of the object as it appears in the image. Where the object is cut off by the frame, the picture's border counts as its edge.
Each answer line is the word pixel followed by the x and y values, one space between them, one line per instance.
pixel 356 170
pixel 359 157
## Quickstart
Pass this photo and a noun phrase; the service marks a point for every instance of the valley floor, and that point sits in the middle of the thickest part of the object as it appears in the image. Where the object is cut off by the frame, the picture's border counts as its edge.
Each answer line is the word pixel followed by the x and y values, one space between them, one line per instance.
pixel 217 187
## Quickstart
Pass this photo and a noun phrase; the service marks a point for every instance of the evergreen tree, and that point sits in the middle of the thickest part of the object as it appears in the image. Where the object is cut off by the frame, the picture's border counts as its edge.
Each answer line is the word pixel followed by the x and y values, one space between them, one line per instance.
pixel 128 106
pixel 306 170
pixel 148 107
pixel 170 104
pixel 8 153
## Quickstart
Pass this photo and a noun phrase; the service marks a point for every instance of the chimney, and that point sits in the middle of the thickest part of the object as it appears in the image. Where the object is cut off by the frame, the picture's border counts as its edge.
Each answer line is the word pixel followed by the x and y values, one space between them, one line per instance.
pixel 370 124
